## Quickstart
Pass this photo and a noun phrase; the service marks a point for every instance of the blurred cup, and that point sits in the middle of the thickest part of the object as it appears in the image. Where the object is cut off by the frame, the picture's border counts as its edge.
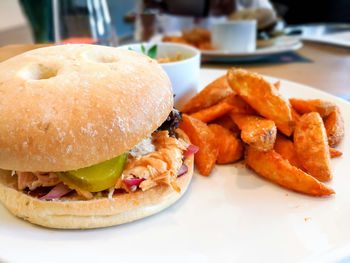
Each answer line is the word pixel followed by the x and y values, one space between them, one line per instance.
pixel 234 36
pixel 145 27
pixel 86 21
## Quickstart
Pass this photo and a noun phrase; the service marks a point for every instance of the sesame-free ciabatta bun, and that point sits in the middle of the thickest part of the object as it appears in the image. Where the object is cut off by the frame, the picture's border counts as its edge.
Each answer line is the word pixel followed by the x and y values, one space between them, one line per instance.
pixel 98 212
pixel 71 106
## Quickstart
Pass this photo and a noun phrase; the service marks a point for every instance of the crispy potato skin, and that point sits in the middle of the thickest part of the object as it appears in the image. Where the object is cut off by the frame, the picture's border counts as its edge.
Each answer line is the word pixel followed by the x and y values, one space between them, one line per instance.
pixel 263 97
pixel 277 85
pixel 311 145
pixel 256 131
pixel 201 136
pixel 226 122
pixel 272 166
pixel 210 95
pixel 213 112
pixel 334 153
pixel 286 149
pixel 239 105
pixel 295 115
pixel 230 148
pixel 334 125
pixel 324 108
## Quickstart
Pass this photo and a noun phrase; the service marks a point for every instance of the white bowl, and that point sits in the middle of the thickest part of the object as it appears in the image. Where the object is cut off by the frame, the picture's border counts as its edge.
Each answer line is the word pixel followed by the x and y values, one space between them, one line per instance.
pixel 234 36
pixel 183 74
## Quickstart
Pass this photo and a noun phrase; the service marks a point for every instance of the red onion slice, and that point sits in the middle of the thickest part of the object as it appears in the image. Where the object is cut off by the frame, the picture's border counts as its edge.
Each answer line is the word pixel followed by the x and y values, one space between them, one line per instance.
pixel 183 170
pixel 192 149
pixel 133 181
pixel 56 192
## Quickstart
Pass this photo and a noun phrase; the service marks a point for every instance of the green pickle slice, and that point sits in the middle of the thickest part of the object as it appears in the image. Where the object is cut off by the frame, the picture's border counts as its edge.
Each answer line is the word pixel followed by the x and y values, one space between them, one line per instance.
pixel 97 177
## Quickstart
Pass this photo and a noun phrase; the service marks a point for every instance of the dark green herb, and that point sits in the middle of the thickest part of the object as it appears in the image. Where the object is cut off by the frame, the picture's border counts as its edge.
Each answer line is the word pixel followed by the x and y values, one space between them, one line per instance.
pixel 152 52
pixel 143 49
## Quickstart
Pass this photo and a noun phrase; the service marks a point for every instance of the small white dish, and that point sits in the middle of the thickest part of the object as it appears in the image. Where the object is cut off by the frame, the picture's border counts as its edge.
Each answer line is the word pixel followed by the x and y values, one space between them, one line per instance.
pixel 282 44
pixel 234 36
pixel 183 74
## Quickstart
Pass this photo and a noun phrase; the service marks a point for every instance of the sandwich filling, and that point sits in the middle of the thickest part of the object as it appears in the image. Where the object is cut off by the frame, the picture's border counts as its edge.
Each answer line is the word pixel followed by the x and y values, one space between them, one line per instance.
pixel 156 160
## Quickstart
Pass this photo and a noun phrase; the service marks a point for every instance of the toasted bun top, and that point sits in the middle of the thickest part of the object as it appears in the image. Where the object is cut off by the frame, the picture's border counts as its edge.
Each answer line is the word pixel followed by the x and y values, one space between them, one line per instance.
pixel 72 106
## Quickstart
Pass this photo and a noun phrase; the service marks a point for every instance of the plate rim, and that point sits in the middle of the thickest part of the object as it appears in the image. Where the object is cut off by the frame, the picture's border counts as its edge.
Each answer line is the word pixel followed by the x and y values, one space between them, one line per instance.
pixel 270 50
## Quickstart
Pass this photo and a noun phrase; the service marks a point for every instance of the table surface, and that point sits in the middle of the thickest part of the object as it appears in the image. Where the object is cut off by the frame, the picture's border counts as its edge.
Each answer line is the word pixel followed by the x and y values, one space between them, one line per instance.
pixel 328 71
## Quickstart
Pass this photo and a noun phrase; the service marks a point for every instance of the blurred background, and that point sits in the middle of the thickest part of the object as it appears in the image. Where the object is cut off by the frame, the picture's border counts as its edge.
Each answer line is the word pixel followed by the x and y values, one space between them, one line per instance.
pixel 113 22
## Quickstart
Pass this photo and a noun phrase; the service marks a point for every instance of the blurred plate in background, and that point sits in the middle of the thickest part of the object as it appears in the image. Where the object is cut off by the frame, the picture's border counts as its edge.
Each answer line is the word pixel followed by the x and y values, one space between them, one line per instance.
pixel 337 34
pixel 281 44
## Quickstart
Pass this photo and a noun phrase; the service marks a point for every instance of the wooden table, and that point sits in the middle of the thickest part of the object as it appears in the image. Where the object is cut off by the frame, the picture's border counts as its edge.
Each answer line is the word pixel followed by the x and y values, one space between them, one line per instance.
pixel 328 71
pixel 13 50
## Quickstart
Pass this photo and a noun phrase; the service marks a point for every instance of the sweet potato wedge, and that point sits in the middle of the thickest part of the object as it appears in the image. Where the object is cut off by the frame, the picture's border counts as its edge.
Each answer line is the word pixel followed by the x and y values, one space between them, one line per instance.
pixel 311 145
pixel 334 125
pixel 286 149
pixel 239 105
pixel 226 122
pixel 277 85
pixel 256 131
pixel 324 108
pixel 230 148
pixel 263 97
pixel 272 166
pixel 295 116
pixel 213 112
pixel 210 95
pixel 201 136
pixel 334 153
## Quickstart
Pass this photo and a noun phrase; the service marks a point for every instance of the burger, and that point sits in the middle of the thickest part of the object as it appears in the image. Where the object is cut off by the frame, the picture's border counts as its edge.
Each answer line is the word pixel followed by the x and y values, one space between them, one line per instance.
pixel 89 137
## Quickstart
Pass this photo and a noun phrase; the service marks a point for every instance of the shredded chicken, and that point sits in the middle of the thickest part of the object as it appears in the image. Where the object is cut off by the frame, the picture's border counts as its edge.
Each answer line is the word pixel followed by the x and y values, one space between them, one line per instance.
pixel 35 180
pixel 85 194
pixel 160 166
pixel 156 160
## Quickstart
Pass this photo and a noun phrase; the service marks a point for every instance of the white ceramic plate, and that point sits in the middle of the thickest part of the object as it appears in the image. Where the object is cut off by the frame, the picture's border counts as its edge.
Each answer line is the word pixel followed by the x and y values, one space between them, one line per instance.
pixel 231 216
pixel 339 39
pixel 281 45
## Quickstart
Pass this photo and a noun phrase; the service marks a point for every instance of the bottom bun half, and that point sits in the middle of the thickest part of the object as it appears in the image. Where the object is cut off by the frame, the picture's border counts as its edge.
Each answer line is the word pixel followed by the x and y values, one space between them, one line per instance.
pixel 98 212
